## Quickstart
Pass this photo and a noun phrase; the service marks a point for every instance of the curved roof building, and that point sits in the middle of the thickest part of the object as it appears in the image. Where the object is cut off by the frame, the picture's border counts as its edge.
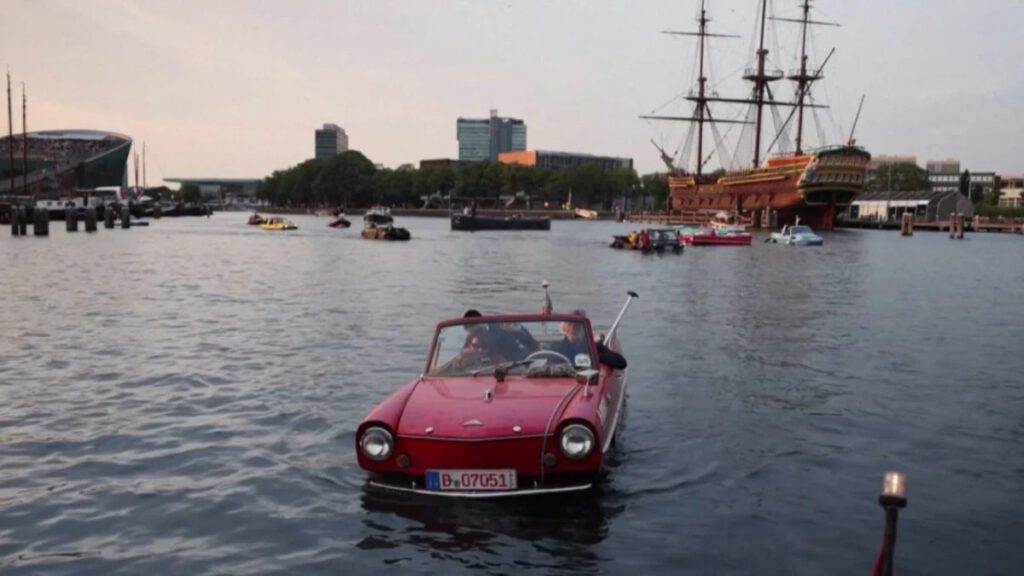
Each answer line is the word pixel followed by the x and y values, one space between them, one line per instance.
pixel 59 160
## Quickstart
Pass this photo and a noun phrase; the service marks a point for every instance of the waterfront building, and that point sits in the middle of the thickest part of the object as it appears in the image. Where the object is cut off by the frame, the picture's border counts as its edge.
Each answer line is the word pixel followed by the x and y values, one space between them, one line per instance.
pixel 484 139
pixel 556 160
pixel 925 205
pixel 982 184
pixel 63 160
pixel 1012 190
pixel 944 175
pixel 330 141
pixel 224 193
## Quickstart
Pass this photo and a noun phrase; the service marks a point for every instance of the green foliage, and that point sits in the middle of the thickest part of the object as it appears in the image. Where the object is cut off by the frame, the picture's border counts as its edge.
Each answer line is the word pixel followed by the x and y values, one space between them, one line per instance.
pixel 351 180
pixel 991 210
pixel 656 186
pixel 898 176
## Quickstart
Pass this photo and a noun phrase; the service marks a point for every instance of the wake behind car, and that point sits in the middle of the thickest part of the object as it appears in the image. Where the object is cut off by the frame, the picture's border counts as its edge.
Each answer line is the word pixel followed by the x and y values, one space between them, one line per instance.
pixel 507 405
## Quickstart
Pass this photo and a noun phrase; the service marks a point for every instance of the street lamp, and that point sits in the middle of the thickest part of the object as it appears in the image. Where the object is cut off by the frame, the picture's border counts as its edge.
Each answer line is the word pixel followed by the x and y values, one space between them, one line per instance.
pixel 892 499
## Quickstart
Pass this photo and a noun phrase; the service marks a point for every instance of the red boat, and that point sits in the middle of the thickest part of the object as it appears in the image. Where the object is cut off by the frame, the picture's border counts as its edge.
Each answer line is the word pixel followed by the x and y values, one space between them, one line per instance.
pixel 724 230
pixel 339 221
pixel 508 405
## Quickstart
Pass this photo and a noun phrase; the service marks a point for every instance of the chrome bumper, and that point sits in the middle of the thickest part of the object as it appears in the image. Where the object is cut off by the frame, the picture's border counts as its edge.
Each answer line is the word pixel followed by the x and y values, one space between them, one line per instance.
pixel 485 494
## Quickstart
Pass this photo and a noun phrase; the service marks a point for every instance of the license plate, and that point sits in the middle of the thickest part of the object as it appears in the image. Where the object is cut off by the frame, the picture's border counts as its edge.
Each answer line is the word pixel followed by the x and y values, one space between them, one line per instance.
pixel 471 479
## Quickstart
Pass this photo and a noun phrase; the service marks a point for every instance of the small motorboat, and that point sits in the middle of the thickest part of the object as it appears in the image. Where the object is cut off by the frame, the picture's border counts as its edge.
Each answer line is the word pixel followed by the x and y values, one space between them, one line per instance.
pixel 277 223
pixel 508 405
pixel 256 219
pixel 796 235
pixel 658 240
pixel 385 232
pixel 584 213
pixel 723 230
pixel 339 221
pixel 378 215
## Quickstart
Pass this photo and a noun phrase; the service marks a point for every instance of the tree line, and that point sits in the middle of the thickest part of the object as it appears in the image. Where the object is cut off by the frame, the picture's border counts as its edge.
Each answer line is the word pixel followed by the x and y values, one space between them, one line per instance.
pixel 351 180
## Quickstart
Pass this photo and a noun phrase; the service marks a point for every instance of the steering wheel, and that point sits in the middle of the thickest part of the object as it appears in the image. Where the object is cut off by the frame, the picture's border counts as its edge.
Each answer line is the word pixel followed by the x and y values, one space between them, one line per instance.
pixel 540 353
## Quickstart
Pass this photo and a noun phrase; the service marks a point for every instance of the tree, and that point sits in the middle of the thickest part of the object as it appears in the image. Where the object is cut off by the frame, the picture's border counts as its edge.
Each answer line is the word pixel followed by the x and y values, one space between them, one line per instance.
pixel 897 177
pixel 656 186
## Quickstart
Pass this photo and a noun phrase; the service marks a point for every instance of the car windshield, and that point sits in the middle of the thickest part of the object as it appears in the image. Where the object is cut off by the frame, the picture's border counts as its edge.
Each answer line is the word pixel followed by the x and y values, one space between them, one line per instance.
pixel 801 230
pixel 538 348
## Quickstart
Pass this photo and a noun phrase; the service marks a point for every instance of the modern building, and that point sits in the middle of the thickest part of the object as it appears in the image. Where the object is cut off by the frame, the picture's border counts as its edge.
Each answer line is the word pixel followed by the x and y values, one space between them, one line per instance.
pixel 330 141
pixel 54 161
pixel 556 160
pixel 883 159
pixel 484 139
pixel 981 184
pixel 1011 195
pixel 944 175
pixel 926 205
pixel 227 192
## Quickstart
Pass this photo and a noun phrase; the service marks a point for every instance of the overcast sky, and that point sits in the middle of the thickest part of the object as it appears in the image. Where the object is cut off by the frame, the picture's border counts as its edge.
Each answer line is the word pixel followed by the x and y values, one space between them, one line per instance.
pixel 235 88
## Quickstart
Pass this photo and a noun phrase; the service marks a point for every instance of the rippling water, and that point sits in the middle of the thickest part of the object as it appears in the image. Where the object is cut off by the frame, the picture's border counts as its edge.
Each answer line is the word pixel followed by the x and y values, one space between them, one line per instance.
pixel 181 399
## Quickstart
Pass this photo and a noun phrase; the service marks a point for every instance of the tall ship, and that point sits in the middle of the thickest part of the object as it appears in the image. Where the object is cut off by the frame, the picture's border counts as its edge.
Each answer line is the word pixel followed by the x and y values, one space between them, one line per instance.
pixel 783 179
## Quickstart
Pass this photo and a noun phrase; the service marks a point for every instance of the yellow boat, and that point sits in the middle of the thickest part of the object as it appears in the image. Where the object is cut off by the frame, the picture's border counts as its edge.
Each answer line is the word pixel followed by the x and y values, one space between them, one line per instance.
pixel 275 223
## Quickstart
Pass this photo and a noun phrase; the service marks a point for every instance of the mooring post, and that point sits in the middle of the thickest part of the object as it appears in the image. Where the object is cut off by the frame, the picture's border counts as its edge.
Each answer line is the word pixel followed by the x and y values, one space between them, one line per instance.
pixel 15 224
pixel 40 221
pixel 960 223
pixel 907 224
pixel 22 221
pixel 126 217
pixel 71 218
pixel 108 216
pixel 90 219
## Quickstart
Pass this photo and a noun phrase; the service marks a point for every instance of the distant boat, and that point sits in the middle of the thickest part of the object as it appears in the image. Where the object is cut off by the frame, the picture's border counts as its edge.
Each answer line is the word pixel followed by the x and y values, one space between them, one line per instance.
pixel 470 223
pixel 797 235
pixel 378 215
pixel 585 214
pixel 276 223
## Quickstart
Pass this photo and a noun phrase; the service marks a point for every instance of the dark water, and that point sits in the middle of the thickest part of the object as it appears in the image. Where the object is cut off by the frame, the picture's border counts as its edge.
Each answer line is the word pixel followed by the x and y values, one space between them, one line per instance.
pixel 182 400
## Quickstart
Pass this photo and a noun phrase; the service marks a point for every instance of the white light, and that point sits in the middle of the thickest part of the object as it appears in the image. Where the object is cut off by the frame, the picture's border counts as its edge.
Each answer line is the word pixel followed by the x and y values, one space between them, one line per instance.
pixel 894 485
pixel 376 443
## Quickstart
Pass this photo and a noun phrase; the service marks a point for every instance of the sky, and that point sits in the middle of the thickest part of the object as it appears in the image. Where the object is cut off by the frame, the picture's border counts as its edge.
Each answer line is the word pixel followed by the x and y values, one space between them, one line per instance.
pixel 236 88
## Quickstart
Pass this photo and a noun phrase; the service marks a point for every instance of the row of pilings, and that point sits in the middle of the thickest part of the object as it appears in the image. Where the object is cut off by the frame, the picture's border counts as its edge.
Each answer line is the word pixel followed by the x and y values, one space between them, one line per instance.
pixel 40 220
pixel 957 224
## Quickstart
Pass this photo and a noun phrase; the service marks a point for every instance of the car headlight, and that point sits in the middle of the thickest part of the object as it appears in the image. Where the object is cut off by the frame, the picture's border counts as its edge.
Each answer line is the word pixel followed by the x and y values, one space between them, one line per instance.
pixel 577 441
pixel 376 443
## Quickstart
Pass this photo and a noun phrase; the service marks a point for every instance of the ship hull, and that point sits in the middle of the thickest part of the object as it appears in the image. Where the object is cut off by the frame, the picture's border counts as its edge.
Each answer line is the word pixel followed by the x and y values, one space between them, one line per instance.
pixel 812 187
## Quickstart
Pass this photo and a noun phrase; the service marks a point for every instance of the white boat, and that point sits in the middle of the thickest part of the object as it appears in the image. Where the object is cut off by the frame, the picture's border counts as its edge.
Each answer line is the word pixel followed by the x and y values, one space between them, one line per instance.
pixel 797 235
pixel 584 214
pixel 378 215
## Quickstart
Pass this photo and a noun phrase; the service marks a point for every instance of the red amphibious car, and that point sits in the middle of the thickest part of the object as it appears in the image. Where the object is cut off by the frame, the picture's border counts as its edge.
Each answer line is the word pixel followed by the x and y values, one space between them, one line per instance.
pixel 508 405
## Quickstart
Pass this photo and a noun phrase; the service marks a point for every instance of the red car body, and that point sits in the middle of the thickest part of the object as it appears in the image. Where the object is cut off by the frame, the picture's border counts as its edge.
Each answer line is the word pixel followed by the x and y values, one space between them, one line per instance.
pixel 497 422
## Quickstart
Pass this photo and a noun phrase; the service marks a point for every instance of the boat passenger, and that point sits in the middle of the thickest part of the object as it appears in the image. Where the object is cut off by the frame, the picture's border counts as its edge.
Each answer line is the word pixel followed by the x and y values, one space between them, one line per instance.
pixel 574 342
pixel 633 237
pixel 645 240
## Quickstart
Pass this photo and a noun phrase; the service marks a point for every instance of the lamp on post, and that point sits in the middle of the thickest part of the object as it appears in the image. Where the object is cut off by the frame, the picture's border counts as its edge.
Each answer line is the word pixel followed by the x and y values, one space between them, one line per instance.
pixel 892 499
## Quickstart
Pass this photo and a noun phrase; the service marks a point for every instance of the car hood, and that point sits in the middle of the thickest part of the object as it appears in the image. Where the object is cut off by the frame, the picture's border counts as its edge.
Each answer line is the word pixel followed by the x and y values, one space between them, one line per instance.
pixel 459 407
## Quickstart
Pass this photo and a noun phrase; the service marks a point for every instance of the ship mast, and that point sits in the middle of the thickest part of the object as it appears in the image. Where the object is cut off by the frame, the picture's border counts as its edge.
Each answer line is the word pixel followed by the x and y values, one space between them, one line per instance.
pixel 701 112
pixel 803 78
pixel 759 85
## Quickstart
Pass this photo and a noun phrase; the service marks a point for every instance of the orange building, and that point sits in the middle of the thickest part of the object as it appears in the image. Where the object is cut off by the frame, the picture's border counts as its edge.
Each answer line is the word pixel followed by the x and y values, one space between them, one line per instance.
pixel 556 160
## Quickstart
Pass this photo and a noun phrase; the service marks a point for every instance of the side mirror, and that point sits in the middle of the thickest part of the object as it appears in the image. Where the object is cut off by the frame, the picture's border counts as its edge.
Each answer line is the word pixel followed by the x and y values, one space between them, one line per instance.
pixel 588 377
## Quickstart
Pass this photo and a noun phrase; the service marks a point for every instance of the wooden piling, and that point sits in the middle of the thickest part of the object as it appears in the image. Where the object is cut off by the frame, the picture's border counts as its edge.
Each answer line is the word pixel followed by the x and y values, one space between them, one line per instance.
pixel 108 216
pixel 71 218
pixel 15 222
pixel 90 219
pixel 952 225
pixel 907 224
pixel 126 217
pixel 960 222
pixel 41 221
pixel 22 221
